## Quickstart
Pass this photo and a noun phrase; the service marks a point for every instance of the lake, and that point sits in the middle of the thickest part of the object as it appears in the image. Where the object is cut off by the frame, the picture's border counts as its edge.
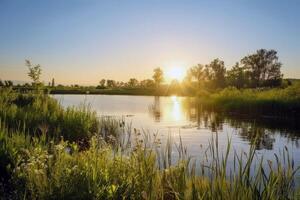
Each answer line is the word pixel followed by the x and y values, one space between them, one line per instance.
pixel 182 116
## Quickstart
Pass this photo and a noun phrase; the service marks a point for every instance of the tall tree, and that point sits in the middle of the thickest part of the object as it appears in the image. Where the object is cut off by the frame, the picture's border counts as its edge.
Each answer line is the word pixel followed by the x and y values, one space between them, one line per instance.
pixel 133 82
pixel 147 83
pixel 110 83
pixel 264 68
pixel 53 83
pixel 158 76
pixel 215 71
pixel 34 72
pixel 196 74
pixel 102 82
pixel 237 77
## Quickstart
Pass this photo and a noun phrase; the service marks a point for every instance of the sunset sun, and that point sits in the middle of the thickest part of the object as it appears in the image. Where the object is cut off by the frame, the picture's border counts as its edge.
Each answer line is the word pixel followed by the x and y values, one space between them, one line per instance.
pixel 175 72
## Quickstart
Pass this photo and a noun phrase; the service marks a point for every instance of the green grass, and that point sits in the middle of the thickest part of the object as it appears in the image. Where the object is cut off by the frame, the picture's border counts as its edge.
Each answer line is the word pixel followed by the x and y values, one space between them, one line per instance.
pixel 39 113
pixel 278 102
pixel 38 168
pixel 100 158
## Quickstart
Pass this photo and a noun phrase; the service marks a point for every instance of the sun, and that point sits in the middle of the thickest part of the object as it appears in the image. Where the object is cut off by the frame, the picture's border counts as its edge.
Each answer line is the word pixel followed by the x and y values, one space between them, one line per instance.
pixel 175 72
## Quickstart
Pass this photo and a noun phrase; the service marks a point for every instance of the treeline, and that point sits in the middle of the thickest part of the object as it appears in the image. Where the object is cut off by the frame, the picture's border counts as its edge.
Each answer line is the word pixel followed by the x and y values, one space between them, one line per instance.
pixel 261 69
pixel 257 70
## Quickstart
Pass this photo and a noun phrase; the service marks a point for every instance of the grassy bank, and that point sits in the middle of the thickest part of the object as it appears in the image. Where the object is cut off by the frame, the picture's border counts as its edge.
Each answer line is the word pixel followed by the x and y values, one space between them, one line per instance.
pixel 37 168
pixel 118 163
pixel 278 102
pixel 41 114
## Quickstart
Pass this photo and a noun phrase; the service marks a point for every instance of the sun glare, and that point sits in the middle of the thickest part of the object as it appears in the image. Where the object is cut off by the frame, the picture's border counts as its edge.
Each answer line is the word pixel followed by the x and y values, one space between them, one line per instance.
pixel 175 72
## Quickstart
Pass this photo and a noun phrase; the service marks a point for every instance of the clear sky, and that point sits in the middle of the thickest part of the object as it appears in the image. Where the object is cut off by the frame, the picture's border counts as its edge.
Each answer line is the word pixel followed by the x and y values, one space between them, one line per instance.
pixel 83 41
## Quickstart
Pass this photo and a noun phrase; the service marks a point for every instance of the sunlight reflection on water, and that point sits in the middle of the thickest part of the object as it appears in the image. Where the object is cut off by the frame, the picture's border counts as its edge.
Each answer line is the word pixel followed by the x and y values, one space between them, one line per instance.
pixel 174 115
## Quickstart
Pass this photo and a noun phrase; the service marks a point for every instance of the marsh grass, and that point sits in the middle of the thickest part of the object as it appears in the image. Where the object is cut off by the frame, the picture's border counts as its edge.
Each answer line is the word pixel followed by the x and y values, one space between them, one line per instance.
pixel 279 102
pixel 103 158
pixel 40 114
pixel 38 168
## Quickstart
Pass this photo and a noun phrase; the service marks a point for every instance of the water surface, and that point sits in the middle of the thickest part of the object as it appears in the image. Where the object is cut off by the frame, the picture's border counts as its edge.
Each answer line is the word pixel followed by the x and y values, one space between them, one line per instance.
pixel 183 116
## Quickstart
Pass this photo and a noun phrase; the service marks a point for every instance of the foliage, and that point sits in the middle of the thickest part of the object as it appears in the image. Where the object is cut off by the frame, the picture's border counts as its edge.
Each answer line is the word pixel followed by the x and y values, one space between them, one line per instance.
pixel 34 72
pixel 263 68
pixel 279 102
pixel 43 114
pixel 158 76
pixel 42 169
pixel 215 72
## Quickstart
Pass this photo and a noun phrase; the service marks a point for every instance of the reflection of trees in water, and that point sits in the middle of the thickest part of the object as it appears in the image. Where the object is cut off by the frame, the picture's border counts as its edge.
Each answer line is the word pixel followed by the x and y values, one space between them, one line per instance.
pixel 258 131
pixel 154 109
pixel 260 137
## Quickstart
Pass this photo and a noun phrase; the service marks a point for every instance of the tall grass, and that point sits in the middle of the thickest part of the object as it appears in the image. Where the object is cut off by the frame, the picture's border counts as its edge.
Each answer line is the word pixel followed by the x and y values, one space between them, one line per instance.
pixel 41 114
pixel 104 159
pixel 281 102
pixel 43 169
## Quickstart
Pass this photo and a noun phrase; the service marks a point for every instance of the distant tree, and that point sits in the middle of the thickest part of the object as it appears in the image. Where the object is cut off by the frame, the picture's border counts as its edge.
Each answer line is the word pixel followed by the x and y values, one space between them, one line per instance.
pixel 110 83
pixel 237 77
pixel 26 85
pixel 34 72
pixel 133 82
pixel 121 84
pixel 216 71
pixel 147 83
pixel 102 82
pixel 8 83
pixel 1 83
pixel 158 76
pixel 53 83
pixel 196 74
pixel 263 68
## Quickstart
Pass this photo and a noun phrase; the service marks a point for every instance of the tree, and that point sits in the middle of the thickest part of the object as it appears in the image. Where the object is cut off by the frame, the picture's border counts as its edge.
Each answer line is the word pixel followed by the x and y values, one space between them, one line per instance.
pixel 8 83
pixel 102 82
pixel 147 83
pixel 53 83
pixel 133 82
pixel 110 83
pixel 158 76
pixel 1 83
pixel 263 68
pixel 215 71
pixel 237 77
pixel 196 74
pixel 34 72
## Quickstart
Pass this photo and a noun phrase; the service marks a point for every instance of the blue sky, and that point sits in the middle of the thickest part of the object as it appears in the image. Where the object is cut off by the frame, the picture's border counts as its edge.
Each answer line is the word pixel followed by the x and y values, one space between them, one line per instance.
pixel 83 41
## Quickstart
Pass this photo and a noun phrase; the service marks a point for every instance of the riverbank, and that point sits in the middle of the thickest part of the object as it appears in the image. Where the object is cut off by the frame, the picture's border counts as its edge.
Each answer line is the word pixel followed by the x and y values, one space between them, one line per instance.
pixel 50 152
pixel 268 102
pixel 280 102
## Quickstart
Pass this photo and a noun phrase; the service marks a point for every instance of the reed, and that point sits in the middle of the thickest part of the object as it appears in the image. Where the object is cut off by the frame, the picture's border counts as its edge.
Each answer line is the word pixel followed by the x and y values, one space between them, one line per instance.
pixel 280 102
pixel 39 168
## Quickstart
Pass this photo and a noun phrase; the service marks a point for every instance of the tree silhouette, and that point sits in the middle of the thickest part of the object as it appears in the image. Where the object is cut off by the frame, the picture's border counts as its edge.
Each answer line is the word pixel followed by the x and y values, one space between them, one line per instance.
pixel 133 82
pixel 34 72
pixel 215 71
pixel 197 74
pixel 158 76
pixel 102 82
pixel 237 77
pixel 53 83
pixel 263 68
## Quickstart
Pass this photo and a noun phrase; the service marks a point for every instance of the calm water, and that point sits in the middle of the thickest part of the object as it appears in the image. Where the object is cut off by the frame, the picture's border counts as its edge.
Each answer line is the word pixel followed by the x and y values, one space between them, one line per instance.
pixel 183 116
